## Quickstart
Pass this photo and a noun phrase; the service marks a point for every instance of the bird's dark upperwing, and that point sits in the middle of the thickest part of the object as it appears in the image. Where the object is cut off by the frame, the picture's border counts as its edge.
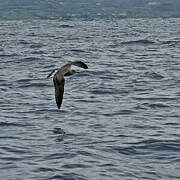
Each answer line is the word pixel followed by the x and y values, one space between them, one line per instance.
pixel 59 90
pixel 79 64
pixel 50 74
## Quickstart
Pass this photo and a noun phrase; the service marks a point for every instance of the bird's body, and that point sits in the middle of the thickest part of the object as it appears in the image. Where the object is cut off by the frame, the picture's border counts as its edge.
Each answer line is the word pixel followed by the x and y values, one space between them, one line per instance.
pixel 59 80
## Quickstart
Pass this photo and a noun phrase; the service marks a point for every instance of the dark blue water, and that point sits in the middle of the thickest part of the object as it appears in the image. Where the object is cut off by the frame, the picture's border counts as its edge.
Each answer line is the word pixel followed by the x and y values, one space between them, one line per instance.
pixel 120 119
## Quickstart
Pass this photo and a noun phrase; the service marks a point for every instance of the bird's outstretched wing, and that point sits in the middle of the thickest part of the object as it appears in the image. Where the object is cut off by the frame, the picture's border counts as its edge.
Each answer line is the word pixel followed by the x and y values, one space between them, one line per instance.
pixel 59 90
pixel 50 74
pixel 79 64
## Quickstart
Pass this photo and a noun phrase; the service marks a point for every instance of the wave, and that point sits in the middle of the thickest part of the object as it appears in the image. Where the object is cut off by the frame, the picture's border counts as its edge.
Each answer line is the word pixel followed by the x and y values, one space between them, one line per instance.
pixel 66 26
pixel 170 42
pixel 148 146
pixel 23 42
pixel 29 59
pixel 154 75
pixel 141 42
pixel 155 105
pixel 25 80
pixel 78 50
pixel 5 124
pixel 8 55
pixel 36 85
pixel 38 45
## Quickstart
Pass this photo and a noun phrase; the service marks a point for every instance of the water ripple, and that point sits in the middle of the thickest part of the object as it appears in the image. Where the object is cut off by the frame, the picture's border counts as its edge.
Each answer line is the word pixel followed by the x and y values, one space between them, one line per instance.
pixel 119 118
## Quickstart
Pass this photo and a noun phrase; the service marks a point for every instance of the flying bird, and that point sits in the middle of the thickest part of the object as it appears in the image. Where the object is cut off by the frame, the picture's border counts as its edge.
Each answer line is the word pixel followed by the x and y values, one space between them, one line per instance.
pixel 59 80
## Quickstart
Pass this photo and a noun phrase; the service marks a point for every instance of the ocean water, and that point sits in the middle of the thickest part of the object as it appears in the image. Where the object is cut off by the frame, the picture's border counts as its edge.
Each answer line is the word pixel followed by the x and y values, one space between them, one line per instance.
pixel 120 119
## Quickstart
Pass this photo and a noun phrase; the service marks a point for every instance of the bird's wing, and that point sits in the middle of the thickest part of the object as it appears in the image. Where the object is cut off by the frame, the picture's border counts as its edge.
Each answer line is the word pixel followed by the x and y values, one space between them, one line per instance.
pixel 65 69
pixel 50 74
pixel 59 89
pixel 79 64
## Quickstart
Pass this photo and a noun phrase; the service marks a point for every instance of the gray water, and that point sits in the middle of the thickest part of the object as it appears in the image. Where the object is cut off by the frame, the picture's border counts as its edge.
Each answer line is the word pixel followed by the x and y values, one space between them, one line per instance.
pixel 120 119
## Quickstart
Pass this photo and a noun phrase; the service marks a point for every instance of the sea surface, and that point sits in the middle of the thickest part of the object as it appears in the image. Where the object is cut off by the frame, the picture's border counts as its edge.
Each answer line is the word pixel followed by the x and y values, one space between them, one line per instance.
pixel 120 118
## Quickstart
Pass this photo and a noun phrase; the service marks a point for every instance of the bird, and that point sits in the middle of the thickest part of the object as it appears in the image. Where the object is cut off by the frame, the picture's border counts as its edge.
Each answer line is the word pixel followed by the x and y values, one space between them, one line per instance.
pixel 59 80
